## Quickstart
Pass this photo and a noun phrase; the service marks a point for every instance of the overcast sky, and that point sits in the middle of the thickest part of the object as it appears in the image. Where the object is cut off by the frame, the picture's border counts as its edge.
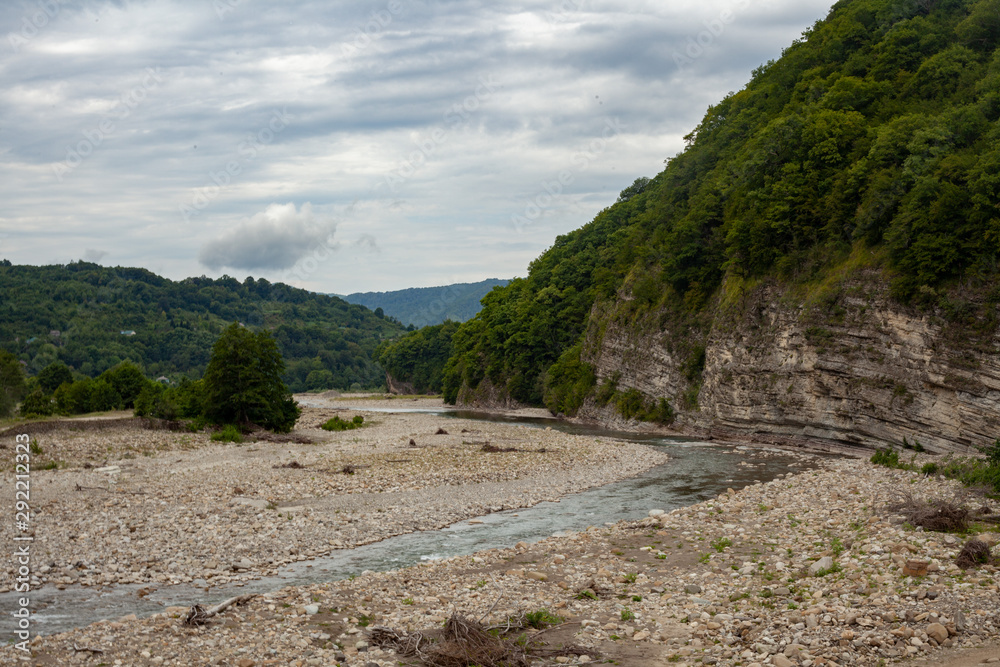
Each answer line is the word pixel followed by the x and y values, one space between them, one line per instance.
pixel 349 146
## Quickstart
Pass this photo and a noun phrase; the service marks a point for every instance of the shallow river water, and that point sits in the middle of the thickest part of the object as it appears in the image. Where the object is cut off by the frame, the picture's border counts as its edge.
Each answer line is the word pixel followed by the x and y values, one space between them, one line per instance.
pixel 696 471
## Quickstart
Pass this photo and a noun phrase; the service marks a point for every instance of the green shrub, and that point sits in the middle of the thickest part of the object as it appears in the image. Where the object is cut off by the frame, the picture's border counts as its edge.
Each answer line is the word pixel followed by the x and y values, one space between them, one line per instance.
pixel 972 472
pixel 541 619
pixel 992 453
pixel 721 544
pixel 228 433
pixel 37 404
pixel 929 468
pixel 337 424
pixel 887 457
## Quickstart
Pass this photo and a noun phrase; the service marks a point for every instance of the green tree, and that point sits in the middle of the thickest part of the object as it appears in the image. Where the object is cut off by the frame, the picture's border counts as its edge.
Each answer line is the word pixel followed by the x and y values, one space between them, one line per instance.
pixel 243 384
pixel 12 383
pixel 37 404
pixel 53 375
pixel 127 381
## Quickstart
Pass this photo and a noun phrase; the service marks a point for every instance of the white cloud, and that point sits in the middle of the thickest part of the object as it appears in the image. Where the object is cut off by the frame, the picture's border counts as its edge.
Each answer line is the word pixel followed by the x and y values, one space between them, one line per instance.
pixel 276 238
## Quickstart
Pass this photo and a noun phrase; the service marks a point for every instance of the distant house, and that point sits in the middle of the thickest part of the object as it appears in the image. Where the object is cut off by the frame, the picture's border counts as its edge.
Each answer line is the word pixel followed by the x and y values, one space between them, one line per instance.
pixel 54 333
pixel 127 332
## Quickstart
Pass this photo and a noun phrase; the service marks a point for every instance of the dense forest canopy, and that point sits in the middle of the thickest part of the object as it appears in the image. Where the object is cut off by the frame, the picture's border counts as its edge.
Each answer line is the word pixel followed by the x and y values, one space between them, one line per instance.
pixel 419 357
pixel 92 318
pixel 877 130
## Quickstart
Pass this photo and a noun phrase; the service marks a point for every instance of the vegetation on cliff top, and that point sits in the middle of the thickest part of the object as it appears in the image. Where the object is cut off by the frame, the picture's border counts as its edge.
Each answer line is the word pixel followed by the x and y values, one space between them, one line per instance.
pixel 878 130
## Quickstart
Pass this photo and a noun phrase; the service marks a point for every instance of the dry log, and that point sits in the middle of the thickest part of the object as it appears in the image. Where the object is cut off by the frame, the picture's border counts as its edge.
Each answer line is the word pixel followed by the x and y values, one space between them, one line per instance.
pixel 198 615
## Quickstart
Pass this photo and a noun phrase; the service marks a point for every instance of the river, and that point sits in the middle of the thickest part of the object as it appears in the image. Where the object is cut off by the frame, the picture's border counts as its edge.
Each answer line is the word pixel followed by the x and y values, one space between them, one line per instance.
pixel 696 471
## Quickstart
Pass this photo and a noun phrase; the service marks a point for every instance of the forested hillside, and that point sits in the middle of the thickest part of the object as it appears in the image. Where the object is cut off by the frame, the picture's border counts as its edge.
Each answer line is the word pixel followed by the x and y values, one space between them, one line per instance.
pixel 425 306
pixel 92 317
pixel 871 144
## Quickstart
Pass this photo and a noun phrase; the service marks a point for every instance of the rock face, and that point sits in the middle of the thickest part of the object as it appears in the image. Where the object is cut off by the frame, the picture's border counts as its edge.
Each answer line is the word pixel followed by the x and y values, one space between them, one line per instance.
pixel 398 386
pixel 848 365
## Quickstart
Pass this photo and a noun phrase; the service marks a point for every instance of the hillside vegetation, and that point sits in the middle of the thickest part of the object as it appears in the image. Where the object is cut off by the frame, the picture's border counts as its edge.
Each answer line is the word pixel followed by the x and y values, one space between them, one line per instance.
pixel 91 318
pixel 426 306
pixel 873 136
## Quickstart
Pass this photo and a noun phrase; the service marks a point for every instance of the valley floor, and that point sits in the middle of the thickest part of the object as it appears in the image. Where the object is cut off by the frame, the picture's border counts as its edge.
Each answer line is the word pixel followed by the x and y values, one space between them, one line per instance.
pixel 732 581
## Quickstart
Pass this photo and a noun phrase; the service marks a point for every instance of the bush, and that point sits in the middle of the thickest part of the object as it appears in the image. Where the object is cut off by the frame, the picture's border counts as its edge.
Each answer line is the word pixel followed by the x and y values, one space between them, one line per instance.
pixel 228 433
pixel 888 457
pixel 992 453
pixel 12 383
pixel 37 404
pixel 338 424
pixel 973 472
pixel 541 619
pixel 929 469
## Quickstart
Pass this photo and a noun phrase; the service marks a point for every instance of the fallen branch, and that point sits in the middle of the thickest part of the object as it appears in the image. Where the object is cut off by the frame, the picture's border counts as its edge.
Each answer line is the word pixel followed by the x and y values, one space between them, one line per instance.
pixel 493 606
pixel 198 615
pixel 494 449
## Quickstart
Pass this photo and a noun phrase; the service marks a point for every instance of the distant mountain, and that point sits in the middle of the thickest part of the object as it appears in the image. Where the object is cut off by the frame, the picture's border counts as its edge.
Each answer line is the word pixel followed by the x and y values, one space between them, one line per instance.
pixel 424 306
pixel 91 317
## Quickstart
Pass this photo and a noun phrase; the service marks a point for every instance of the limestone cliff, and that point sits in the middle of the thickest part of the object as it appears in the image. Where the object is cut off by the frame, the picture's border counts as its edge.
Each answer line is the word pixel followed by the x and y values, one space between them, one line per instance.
pixel 852 367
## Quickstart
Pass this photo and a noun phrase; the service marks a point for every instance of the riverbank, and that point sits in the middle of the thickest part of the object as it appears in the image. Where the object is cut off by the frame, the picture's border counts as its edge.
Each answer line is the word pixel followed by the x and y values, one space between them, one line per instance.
pixel 737 580
pixel 123 505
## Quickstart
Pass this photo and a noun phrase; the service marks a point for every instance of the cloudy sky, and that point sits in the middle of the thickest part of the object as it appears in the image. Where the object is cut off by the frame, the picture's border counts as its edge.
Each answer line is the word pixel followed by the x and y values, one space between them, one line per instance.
pixel 349 146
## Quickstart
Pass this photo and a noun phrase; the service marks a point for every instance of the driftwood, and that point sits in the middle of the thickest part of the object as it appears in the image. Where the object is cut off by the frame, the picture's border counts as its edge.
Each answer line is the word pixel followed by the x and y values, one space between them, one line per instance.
pixel 464 642
pixel 198 615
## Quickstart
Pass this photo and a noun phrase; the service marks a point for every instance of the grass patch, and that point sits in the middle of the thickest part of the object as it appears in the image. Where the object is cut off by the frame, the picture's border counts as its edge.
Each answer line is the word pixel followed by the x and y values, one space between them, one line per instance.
pixel 228 433
pixel 338 424
pixel 541 619
pixel 721 544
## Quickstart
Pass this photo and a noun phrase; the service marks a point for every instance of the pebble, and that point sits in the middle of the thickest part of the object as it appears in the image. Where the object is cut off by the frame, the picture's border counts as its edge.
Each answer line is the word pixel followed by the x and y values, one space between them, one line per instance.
pixel 175 508
pixel 719 608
